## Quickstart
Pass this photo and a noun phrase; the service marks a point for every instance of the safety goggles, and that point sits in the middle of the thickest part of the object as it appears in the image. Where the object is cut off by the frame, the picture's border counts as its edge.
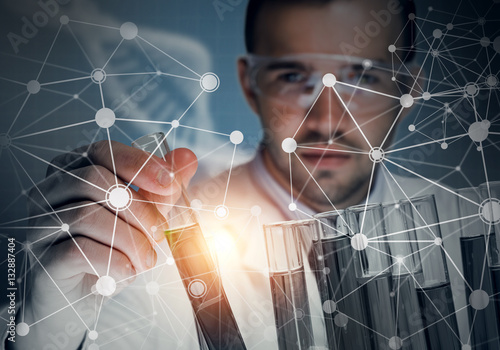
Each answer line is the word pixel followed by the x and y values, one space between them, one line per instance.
pixel 297 79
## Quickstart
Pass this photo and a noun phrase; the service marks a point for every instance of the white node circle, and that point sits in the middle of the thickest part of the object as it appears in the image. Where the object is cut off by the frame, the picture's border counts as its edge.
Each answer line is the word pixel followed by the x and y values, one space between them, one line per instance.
pixel 33 87
pixel 256 210
pixel 209 82
pixel 175 124
pixel 491 80
pixel 444 145
pixel 105 286
pixel 359 241
pixel 197 288
pixel 489 211
pixel 65 227
pixel 221 212
pixel 437 33
pixel 119 197
pixel 22 329
pixel 496 44
pixel 299 314
pixel 367 64
pixel 329 306
pixel 5 141
pixel 479 299
pixel 477 132
pixel 406 100
pixel 340 320
pixel 64 19
pixel 426 96
pixel 292 206
pixel 411 127
pixel 449 26
pixel 196 204
pixel 479 148
pixel 395 343
pixel 98 76
pixel 376 154
pixel 236 137
pixel 152 288
pixel 329 80
pixel 438 241
pixel 392 48
pixel 485 41
pixel 93 335
pixel 289 145
pixel 128 30
pixel 435 53
pixel 471 89
pixel 170 261
pixel 105 118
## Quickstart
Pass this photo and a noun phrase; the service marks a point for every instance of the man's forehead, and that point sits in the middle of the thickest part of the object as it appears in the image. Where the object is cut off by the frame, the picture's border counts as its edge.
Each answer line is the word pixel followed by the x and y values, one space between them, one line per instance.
pixel 350 27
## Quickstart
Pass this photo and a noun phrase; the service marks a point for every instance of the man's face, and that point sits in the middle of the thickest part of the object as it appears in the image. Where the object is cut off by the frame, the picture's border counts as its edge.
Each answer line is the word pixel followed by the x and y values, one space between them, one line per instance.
pixel 326 124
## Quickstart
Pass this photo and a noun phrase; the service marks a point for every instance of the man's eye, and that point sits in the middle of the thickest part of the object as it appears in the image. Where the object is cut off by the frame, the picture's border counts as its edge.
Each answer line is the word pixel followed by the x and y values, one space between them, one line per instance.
pixel 292 77
pixel 359 77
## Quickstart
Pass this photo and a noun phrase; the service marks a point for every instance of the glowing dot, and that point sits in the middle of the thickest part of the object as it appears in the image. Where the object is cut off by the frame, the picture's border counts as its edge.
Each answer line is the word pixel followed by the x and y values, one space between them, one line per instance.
pixel 359 241
pixel 76 96
pixel 479 299
pixel 5 141
pixel 256 210
pixel 406 100
pixel 105 118
pixel 367 64
pixel 175 124
pixel 479 148
pixel 340 320
pixel 444 145
pixel 197 288
pixel 152 288
pixel 491 80
pixel 329 306
pixel 236 137
pixel 292 206
pixel 128 30
pixel 93 335
pixel 437 33
pixel 426 96
pixel 435 53
pixel 299 314
pixel 496 44
pixel 478 132
pixel 485 41
pixel 170 261
pixel 458 168
pixel 27 245
pixel 289 145
pixel 105 285
pixel 64 19
pixel 196 204
pixel 329 80
pixel 393 78
pixel 33 87
pixel 119 197
pixel 85 154
pixel 98 76
pixel 221 212
pixel 471 89
pixel 430 8
pixel 65 227
pixel 377 154
pixel 438 241
pixel 326 270
pixel 395 343
pixel 489 211
pixel 400 260
pixel 411 127
pixel 392 48
pixel 22 329
pixel 209 82
pixel 449 26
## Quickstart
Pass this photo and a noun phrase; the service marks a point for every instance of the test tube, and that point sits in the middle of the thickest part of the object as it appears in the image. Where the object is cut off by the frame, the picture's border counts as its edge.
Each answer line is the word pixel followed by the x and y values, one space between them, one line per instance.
pixel 373 271
pixel 288 285
pixel 489 212
pixel 406 267
pixel 345 321
pixel 433 285
pixel 213 315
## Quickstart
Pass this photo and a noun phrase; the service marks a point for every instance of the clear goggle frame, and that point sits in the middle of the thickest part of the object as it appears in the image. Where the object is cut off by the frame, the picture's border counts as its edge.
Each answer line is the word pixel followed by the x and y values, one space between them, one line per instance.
pixel 298 79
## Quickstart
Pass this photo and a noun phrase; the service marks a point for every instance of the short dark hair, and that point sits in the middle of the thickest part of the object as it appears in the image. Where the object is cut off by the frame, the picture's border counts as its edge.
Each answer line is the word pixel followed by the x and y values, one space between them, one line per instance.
pixel 254 7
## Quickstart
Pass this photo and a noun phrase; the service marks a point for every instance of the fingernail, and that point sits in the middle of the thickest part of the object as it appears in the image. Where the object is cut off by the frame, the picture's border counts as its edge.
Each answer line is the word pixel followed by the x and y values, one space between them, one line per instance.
pixel 150 259
pixel 165 178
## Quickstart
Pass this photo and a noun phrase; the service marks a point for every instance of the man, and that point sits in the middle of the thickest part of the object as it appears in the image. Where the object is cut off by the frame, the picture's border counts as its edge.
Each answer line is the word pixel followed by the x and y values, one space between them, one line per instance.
pixel 293 46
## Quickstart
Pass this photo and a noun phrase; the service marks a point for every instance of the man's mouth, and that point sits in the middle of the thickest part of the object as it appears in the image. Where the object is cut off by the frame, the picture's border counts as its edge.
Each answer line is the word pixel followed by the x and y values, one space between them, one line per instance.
pixel 324 158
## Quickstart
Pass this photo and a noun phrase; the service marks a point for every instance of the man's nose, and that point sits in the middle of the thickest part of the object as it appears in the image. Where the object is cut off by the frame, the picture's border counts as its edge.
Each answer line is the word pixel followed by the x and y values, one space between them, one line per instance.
pixel 327 115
